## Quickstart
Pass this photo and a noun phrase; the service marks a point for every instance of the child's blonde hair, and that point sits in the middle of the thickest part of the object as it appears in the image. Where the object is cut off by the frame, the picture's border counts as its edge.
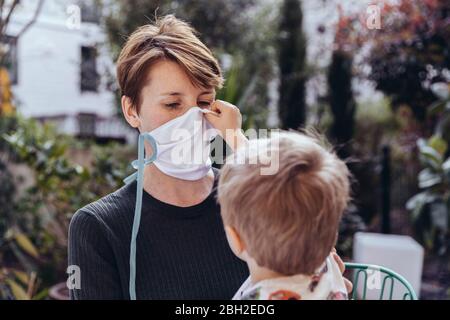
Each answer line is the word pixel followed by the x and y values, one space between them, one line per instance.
pixel 289 220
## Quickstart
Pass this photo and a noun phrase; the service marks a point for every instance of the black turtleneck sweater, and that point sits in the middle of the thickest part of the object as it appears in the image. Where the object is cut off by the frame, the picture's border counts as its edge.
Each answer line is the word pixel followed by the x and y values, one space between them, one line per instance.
pixel 182 253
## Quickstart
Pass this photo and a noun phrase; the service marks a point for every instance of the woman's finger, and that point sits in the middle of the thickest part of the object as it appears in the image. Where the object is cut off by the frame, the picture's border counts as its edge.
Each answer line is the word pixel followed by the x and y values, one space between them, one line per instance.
pixel 339 262
pixel 348 285
pixel 213 118
pixel 210 112
pixel 341 265
pixel 216 106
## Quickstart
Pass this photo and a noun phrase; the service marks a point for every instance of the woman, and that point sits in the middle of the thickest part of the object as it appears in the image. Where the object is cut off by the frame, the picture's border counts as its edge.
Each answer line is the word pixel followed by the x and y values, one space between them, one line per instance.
pixel 164 70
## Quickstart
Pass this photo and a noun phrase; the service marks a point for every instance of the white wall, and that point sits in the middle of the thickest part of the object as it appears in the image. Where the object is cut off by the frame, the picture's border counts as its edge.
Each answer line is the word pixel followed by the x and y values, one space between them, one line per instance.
pixel 49 56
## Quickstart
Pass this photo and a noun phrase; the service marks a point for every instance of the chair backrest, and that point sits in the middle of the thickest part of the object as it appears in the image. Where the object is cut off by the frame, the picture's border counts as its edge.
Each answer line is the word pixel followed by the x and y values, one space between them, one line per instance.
pixel 371 281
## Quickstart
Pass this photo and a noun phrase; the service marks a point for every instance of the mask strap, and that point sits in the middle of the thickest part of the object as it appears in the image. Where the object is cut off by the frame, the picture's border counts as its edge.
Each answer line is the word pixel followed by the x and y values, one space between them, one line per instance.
pixel 138 164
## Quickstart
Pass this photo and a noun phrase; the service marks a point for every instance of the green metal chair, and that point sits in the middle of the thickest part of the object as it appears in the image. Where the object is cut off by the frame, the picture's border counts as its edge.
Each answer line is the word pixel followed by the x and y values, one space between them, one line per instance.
pixel 374 285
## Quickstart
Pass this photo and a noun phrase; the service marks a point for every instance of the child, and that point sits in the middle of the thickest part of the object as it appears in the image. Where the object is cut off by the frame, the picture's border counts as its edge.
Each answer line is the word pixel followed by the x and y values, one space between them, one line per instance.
pixel 284 224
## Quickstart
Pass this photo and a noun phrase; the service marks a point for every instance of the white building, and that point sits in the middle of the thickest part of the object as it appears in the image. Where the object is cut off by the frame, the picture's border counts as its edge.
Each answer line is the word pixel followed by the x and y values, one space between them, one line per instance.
pixel 59 69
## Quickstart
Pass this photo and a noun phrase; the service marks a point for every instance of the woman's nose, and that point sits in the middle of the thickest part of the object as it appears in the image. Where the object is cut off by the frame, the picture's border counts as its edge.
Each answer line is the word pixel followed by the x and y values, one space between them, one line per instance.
pixel 192 103
pixel 182 111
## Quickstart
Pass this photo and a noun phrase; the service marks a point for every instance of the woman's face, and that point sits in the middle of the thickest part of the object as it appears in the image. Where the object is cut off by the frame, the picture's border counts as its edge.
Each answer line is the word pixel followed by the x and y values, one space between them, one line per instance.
pixel 168 94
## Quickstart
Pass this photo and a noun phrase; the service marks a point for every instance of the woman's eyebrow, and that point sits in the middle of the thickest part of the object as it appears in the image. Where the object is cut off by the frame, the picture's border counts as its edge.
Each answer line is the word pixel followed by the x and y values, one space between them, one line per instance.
pixel 172 94
pixel 182 94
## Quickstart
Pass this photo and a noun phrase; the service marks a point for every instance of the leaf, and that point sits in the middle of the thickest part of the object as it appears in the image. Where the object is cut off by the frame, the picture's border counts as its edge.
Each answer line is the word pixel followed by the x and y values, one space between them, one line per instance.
pixel 417 212
pixel 25 243
pixel 41 295
pixel 417 203
pixel 439 215
pixel 22 276
pixel 9 234
pixel 446 167
pixel 23 258
pixel 428 179
pixel 18 292
pixel 436 108
pixel 429 162
pixel 441 90
pixel 438 144
pixel 429 155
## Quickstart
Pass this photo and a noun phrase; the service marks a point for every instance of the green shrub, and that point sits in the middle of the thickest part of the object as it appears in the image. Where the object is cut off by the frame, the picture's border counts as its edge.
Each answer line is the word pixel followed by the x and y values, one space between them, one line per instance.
pixel 34 223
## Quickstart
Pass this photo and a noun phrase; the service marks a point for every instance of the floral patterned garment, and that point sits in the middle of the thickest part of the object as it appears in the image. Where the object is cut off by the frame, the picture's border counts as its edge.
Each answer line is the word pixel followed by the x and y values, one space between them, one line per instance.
pixel 326 283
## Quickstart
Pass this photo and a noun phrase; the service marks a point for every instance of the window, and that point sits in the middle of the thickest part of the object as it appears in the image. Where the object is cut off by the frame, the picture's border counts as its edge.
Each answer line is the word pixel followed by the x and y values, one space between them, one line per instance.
pixel 90 11
pixel 89 75
pixel 87 125
pixel 10 61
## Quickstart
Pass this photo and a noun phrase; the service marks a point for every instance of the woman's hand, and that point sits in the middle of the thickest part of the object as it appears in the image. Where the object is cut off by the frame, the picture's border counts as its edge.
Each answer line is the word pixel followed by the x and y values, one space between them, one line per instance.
pixel 227 119
pixel 341 265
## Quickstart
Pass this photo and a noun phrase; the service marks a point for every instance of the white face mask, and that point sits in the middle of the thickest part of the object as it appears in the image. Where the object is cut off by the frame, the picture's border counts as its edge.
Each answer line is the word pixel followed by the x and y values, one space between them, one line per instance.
pixel 183 145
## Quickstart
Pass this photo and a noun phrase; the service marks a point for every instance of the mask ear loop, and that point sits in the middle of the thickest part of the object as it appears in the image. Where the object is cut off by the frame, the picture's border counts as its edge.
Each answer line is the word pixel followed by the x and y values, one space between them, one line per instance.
pixel 138 164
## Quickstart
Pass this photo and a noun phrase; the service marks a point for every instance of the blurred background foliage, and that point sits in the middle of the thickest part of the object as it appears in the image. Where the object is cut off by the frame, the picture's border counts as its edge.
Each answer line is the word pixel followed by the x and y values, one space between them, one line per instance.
pixel 239 32
pixel 34 220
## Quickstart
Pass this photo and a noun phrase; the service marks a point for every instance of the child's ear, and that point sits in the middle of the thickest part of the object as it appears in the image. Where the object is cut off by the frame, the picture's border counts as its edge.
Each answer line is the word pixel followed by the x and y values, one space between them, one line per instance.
pixel 234 240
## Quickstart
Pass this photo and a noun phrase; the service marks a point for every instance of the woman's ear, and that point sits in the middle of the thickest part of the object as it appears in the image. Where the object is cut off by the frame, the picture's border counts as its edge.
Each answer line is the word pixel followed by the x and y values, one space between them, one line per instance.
pixel 130 112
pixel 235 241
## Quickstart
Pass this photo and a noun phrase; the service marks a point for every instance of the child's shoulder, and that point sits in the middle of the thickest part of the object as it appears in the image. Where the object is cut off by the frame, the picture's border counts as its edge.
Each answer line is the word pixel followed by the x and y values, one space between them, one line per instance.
pixel 326 283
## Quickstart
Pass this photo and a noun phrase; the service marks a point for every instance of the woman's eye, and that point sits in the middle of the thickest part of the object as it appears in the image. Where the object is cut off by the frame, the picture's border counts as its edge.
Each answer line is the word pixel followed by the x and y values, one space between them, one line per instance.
pixel 204 103
pixel 172 105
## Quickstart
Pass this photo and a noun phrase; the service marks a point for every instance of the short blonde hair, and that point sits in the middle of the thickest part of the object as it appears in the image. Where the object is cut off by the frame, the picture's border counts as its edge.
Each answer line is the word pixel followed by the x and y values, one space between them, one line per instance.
pixel 289 220
pixel 168 38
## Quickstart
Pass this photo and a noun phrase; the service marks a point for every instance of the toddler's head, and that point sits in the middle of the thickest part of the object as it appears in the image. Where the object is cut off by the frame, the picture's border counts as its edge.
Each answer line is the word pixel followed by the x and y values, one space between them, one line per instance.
pixel 287 221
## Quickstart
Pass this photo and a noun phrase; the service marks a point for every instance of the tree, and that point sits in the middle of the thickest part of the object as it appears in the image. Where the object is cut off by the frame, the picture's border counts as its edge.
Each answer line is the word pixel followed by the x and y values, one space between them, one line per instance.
pixel 430 209
pixel 409 53
pixel 291 60
pixel 228 29
pixel 220 23
pixel 7 8
pixel 342 102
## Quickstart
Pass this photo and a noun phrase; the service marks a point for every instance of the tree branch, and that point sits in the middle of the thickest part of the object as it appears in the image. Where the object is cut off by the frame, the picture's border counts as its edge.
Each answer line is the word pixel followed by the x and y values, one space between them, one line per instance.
pixel 33 20
pixel 4 23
